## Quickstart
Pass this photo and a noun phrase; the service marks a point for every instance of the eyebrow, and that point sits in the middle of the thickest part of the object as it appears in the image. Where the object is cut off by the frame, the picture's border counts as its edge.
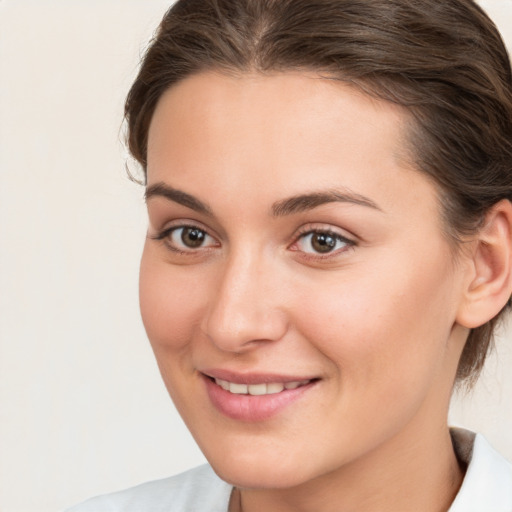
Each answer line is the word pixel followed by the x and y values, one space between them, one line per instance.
pixel 305 202
pixel 295 204
pixel 178 196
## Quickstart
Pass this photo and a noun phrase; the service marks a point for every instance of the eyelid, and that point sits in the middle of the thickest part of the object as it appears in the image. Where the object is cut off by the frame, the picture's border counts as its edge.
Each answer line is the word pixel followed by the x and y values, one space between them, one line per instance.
pixel 338 233
pixel 179 223
pixel 163 235
pixel 315 227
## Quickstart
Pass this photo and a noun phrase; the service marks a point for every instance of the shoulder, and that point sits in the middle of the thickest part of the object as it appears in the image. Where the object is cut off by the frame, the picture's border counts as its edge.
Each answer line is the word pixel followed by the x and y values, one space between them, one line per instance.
pixel 196 489
pixel 488 481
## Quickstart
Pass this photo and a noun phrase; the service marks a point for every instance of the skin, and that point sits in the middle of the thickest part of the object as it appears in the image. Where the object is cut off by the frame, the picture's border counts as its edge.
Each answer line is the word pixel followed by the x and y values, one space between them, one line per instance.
pixel 377 320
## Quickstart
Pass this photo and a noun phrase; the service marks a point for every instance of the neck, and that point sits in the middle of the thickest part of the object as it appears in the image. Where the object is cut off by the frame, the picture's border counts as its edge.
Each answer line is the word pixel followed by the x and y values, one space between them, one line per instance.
pixel 409 473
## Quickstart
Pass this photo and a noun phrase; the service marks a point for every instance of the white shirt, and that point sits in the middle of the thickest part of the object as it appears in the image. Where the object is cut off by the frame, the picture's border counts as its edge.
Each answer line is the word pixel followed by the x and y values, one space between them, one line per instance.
pixel 487 486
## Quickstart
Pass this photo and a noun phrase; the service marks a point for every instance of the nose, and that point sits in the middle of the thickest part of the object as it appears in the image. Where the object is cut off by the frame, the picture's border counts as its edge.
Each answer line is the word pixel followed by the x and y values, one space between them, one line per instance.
pixel 245 308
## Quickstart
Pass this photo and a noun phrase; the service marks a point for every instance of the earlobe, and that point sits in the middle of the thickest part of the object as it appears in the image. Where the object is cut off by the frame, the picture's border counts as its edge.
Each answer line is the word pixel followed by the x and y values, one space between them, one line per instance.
pixel 490 286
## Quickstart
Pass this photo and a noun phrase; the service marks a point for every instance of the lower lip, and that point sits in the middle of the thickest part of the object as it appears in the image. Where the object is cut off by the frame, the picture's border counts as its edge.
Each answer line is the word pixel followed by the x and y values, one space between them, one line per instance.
pixel 253 408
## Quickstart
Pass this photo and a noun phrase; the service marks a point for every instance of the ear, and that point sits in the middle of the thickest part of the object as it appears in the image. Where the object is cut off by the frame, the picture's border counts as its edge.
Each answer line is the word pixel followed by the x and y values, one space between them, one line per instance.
pixel 490 284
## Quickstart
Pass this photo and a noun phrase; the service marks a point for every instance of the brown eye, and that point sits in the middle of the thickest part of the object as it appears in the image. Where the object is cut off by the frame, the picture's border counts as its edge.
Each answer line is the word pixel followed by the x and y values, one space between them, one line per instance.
pixel 192 237
pixel 322 242
pixel 186 239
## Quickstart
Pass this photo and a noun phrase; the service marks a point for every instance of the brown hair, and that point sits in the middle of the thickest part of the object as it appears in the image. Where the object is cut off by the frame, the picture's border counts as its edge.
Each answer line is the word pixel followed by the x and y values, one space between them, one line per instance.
pixel 442 60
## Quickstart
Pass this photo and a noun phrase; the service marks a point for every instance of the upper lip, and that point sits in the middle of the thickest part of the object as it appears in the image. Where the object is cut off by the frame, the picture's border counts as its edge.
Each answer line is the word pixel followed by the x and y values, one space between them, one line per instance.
pixel 253 377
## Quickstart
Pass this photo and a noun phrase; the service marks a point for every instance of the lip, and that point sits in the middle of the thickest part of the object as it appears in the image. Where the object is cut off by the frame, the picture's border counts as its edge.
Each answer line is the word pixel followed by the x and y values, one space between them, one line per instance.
pixel 249 408
pixel 253 377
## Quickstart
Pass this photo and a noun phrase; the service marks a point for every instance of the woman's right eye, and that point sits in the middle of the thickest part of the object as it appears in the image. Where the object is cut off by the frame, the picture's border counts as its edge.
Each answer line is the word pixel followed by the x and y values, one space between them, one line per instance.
pixel 186 238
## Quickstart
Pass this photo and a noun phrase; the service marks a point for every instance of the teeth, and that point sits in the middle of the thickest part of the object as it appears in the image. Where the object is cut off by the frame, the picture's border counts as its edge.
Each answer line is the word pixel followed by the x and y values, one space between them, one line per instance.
pixel 258 389
pixel 238 389
pixel 275 388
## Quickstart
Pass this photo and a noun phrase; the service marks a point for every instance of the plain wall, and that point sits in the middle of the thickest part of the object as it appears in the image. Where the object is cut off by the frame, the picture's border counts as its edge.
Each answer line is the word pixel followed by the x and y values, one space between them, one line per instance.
pixel 82 407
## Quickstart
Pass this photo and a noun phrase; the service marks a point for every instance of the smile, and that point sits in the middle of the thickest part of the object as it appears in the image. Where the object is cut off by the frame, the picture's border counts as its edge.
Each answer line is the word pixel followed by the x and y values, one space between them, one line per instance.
pixel 259 389
pixel 255 397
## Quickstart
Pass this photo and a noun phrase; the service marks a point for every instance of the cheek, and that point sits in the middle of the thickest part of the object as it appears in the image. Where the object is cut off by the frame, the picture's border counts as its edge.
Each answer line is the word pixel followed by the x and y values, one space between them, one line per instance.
pixel 388 326
pixel 170 306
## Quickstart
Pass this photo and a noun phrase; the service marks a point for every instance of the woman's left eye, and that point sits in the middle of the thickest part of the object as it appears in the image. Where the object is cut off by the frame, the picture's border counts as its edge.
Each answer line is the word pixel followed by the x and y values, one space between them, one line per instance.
pixel 322 242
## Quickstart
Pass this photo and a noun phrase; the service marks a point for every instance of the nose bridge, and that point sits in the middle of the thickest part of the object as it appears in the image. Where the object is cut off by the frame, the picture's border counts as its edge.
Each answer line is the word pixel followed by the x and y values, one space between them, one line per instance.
pixel 245 306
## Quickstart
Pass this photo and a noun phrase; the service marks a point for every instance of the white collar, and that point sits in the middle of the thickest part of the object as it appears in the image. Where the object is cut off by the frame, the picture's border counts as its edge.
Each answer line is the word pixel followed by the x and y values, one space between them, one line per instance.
pixel 487 486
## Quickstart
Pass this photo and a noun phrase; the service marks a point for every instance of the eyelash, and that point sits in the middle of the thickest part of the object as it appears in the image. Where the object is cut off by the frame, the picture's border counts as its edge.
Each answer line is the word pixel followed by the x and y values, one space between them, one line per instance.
pixel 308 231
pixel 166 233
pixel 303 233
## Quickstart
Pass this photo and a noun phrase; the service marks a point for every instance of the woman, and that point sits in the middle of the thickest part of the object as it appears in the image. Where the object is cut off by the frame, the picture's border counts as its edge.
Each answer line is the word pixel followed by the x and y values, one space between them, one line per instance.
pixel 329 249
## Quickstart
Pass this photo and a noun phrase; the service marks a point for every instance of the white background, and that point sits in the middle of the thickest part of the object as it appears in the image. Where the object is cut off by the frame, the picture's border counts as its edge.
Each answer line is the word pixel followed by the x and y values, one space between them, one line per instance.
pixel 82 408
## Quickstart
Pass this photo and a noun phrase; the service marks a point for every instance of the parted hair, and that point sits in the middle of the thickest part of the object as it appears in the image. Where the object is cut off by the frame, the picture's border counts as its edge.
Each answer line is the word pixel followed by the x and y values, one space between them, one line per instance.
pixel 443 61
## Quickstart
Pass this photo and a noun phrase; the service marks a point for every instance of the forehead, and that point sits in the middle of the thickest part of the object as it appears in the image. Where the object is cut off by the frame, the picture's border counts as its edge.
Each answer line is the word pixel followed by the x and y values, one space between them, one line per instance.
pixel 276 105
pixel 278 134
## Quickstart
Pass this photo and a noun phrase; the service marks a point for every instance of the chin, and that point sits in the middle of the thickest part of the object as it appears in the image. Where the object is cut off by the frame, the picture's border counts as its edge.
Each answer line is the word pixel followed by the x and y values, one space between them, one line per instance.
pixel 261 471
pixel 260 478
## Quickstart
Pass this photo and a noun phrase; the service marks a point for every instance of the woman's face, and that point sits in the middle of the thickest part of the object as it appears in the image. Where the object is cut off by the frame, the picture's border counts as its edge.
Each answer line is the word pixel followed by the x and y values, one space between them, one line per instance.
pixel 296 286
